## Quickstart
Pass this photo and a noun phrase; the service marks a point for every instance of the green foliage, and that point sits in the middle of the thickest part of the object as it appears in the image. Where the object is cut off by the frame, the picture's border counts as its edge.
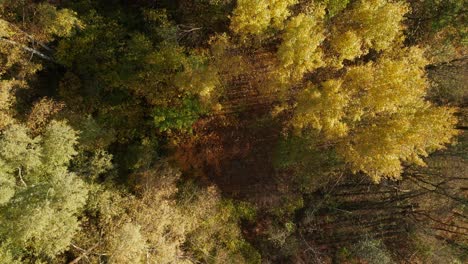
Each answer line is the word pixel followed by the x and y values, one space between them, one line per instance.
pixel 58 147
pixel 55 22
pixel 440 26
pixel 6 256
pixel 81 51
pixel 132 76
pixel 245 211
pixel 19 151
pixel 334 7
pixel 7 187
pixel 180 118
pixel 372 251
pixel 127 245
pixel 92 164
pixel 146 65
pixel 140 73
pixel 446 13
pixel 93 134
pixel 46 191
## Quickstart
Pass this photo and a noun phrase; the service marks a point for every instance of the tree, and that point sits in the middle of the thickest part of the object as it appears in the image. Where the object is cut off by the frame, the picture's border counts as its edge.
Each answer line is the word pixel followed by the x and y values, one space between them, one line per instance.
pixel 372 251
pixel 25 30
pixel 164 224
pixel 435 16
pixel 128 245
pixel 366 25
pixel 142 71
pixel 254 17
pixel 40 188
pixel 376 115
pixel 299 51
pixel 334 7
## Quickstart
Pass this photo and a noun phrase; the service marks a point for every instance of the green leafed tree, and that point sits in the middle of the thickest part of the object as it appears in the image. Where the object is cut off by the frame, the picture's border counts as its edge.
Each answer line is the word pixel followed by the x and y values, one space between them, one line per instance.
pixel 41 198
pixel 164 223
pixel 335 6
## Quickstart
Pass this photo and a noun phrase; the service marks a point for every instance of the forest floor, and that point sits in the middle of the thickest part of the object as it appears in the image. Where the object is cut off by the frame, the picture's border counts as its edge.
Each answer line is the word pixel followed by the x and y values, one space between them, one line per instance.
pixel 235 148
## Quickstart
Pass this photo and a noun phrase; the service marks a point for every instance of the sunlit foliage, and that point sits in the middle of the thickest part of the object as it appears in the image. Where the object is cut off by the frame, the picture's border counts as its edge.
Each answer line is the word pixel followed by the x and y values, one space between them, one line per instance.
pixel 254 17
pixel 374 24
pixel 262 104
pixel 40 187
pixel 376 115
pixel 299 51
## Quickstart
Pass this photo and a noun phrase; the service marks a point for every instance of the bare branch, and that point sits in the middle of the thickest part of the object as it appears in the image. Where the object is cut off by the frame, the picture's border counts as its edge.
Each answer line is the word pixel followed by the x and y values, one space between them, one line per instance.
pixel 20 174
pixel 85 252
pixel 29 36
pixel 26 48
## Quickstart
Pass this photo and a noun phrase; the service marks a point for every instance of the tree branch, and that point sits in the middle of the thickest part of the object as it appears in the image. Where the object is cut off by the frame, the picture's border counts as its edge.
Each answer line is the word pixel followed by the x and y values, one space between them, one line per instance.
pixel 29 36
pixel 26 48
pixel 85 252
pixel 446 63
pixel 20 174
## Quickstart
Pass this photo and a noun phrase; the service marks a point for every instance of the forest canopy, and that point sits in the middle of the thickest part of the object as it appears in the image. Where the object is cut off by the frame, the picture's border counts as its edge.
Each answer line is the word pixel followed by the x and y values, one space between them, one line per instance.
pixel 223 131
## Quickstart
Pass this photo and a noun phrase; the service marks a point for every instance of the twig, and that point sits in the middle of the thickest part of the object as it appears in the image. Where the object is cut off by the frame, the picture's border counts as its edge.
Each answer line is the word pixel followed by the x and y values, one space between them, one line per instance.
pixel 85 252
pixel 21 177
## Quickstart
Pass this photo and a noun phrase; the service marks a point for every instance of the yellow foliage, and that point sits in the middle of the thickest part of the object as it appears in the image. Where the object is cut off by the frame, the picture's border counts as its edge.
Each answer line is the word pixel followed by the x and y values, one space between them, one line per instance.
pixel 253 17
pixel 378 149
pixel 53 22
pixel 6 100
pixel 201 80
pixel 347 46
pixel 322 109
pixel 391 82
pixel 300 52
pixel 127 245
pixel 377 116
pixel 41 113
pixel 5 29
pixel 373 24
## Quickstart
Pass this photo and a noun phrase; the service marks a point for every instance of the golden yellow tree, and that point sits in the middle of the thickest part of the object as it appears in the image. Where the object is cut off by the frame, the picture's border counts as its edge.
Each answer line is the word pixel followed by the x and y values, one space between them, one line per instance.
pixel 254 17
pixel 376 115
pixel 367 24
pixel 299 51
